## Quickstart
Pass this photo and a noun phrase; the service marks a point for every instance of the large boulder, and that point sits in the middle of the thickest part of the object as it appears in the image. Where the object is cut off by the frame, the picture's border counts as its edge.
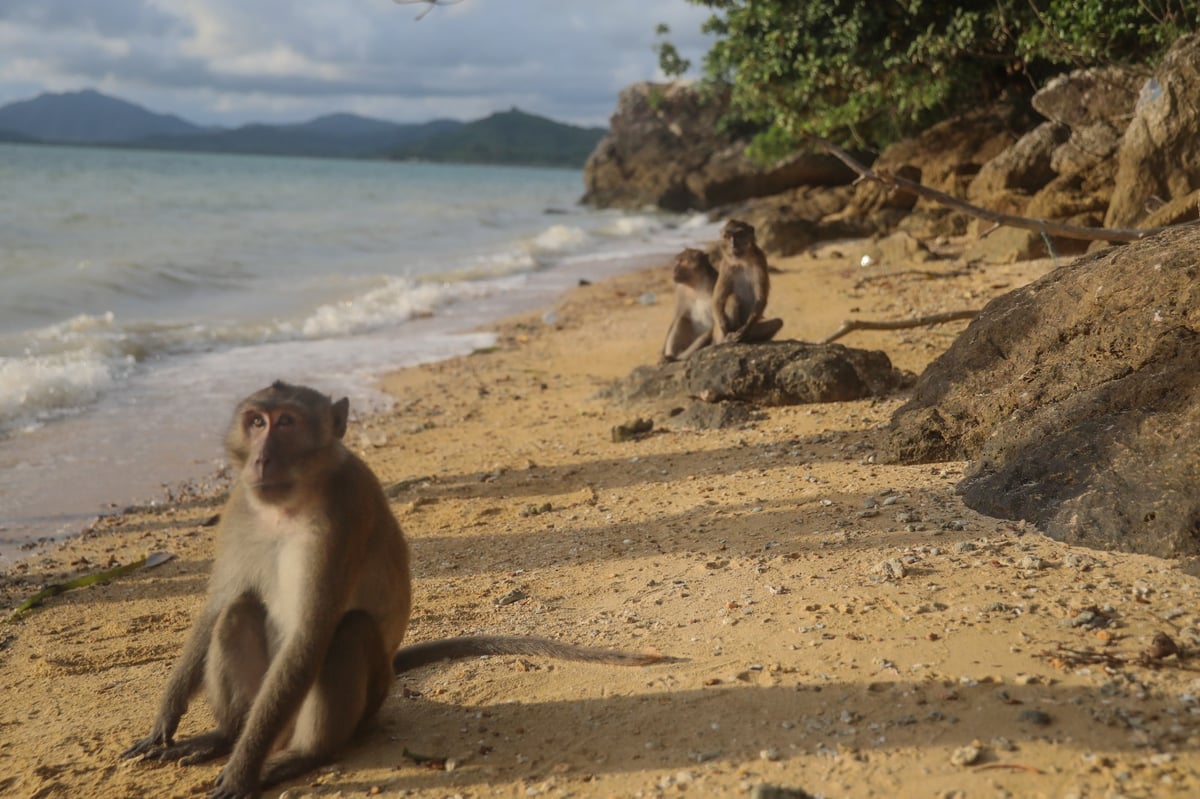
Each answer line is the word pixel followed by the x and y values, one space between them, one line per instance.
pixel 766 374
pixel 1077 399
pixel 945 157
pixel 665 148
pixel 1159 156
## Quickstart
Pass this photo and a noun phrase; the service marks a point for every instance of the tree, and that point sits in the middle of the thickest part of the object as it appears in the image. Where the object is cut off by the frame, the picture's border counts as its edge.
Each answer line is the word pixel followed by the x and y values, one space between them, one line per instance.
pixel 870 71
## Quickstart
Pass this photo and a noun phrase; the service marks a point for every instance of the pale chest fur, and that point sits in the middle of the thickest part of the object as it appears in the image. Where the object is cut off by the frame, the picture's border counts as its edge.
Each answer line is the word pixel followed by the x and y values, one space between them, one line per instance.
pixel 701 311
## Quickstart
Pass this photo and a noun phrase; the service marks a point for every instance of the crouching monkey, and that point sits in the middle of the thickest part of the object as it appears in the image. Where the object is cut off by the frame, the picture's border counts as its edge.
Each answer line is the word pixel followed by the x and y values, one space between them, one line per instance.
pixel 742 287
pixel 692 327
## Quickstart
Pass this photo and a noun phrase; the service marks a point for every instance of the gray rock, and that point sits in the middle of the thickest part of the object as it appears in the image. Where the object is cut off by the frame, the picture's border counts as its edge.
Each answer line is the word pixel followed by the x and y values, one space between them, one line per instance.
pixel 771 373
pixel 666 148
pixel 1159 156
pixel 1087 96
pixel 1024 166
pixel 1077 399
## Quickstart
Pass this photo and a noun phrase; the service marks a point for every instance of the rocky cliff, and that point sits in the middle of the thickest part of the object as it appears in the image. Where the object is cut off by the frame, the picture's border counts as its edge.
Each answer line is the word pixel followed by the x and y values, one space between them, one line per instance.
pixel 665 148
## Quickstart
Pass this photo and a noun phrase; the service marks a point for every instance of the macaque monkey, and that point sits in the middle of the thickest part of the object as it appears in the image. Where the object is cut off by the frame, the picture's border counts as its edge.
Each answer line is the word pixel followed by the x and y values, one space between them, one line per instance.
pixel 692 327
pixel 308 601
pixel 740 294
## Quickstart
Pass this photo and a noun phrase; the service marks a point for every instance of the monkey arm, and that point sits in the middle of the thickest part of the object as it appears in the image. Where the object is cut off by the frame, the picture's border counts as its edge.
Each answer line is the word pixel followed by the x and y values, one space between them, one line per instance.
pixel 721 293
pixel 293 670
pixel 185 679
pixel 699 343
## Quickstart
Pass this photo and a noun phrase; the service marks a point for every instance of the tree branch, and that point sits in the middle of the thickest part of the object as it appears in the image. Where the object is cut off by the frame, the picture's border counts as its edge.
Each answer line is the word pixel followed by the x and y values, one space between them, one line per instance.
pixel 900 324
pixel 1043 226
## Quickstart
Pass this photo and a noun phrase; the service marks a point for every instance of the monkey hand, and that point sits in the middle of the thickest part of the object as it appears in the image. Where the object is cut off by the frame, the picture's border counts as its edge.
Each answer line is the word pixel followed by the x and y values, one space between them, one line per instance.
pixel 734 336
pixel 158 739
pixel 234 783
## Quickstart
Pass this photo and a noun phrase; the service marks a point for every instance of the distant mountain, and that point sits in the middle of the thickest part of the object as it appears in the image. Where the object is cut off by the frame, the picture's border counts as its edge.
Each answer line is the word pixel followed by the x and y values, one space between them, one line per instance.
pixel 509 137
pixel 334 136
pixel 87 117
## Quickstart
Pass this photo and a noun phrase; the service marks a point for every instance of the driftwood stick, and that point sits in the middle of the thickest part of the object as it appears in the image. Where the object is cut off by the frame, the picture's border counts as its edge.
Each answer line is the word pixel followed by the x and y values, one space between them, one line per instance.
pixel 1043 226
pixel 899 324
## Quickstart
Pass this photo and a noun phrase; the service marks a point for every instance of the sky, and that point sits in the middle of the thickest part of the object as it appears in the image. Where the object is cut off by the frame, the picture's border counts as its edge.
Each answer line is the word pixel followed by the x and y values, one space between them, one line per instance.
pixel 227 62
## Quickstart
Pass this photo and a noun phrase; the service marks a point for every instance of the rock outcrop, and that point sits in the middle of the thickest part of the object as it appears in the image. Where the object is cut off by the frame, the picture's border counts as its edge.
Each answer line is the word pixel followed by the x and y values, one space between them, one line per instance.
pixel 1077 399
pixel 771 373
pixel 1159 156
pixel 665 149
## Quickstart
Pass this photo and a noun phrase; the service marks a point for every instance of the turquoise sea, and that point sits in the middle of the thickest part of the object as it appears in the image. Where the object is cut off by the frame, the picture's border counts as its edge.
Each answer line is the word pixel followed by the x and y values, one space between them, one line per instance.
pixel 142 293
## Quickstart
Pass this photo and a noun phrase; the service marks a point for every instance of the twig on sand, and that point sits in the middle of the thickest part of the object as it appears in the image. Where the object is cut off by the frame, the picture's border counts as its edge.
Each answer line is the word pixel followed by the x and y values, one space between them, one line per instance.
pixel 148 562
pixel 1043 226
pixel 899 324
pixel 1010 767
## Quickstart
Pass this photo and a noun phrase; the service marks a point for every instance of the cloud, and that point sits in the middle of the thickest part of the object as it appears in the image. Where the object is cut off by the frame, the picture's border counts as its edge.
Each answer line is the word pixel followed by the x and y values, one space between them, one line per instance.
pixel 230 61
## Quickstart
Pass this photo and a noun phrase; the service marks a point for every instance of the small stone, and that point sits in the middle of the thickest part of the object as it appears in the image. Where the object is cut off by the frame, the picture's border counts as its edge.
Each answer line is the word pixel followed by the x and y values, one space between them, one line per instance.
pixel 966 755
pixel 891 569
pixel 632 431
pixel 1033 716
pixel 778 792
pixel 512 597
pixel 1162 646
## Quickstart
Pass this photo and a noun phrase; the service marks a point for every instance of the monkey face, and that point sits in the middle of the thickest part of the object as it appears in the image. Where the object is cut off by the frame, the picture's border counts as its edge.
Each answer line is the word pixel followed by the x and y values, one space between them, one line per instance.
pixel 280 436
pixel 691 266
pixel 739 236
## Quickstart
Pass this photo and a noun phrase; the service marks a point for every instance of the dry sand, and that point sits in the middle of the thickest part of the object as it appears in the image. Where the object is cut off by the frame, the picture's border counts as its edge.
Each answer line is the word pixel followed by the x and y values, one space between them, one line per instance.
pixel 756 553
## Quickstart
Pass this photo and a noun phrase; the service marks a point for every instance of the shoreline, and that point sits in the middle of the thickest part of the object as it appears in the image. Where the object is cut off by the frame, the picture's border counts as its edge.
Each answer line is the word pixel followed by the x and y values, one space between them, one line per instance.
pixel 751 551
pixel 24 533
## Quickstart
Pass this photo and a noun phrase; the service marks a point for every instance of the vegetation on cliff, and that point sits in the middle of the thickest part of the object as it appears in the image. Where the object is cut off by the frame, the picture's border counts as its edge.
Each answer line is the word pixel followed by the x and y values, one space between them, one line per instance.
pixel 870 73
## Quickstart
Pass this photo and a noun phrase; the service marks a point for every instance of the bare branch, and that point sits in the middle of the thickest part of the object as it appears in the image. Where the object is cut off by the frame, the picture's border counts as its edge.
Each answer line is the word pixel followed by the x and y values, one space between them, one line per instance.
pixel 899 324
pixel 431 3
pixel 1043 226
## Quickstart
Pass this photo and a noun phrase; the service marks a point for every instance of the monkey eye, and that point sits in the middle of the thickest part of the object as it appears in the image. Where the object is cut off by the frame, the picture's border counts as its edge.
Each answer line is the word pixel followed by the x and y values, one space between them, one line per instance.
pixel 257 420
pixel 285 420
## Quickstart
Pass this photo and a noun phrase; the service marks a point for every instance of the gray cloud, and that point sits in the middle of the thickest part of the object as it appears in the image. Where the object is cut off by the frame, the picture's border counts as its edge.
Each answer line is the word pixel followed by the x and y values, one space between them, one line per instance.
pixel 229 61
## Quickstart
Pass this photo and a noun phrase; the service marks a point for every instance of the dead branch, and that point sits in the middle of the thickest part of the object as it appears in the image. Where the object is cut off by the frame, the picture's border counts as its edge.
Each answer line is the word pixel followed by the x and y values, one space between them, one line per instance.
pixel 1043 226
pixel 899 324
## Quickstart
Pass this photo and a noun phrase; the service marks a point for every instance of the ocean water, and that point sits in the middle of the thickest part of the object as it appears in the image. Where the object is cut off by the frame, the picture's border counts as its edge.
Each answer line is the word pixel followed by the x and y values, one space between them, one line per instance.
pixel 143 293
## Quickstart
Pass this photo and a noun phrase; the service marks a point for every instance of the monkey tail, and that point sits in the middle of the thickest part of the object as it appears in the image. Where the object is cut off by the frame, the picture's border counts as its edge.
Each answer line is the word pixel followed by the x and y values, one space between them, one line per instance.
pixel 415 656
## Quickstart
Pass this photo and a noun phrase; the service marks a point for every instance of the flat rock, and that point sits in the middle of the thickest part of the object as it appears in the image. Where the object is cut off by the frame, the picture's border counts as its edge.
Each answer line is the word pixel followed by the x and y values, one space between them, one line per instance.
pixel 771 373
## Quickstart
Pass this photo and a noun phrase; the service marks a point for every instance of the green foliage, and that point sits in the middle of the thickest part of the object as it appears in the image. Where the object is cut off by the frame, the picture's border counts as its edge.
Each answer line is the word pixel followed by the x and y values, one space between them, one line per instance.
pixel 869 72
pixel 672 64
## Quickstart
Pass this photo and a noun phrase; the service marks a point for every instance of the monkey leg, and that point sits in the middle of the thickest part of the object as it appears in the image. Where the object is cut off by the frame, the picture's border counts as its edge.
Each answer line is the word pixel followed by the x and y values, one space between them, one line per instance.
pixel 353 683
pixel 762 330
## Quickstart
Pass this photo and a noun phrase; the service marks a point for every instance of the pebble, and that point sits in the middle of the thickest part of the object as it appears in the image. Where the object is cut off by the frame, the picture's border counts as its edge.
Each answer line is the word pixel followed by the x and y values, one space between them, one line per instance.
pixel 512 597
pixel 764 791
pixel 891 569
pixel 966 755
pixel 1033 716
pixel 1031 563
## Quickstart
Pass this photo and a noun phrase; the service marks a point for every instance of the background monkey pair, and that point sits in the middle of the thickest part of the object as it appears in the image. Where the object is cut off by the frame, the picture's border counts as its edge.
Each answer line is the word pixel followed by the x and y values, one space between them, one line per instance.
pixel 713 306
pixel 309 599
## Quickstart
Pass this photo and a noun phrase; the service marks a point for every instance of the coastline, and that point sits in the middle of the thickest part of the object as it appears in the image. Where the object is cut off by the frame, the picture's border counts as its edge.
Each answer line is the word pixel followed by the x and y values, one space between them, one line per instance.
pixel 746 551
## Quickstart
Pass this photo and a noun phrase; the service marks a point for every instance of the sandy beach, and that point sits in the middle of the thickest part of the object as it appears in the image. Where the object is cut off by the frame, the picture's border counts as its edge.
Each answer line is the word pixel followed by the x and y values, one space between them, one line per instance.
pixel 998 664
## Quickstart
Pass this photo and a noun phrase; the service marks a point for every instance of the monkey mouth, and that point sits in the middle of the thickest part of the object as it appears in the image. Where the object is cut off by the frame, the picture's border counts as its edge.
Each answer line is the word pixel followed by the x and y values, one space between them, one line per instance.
pixel 271 488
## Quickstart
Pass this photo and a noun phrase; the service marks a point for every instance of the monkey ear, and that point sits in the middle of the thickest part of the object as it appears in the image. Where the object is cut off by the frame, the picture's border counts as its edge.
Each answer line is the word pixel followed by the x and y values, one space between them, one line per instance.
pixel 341 411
